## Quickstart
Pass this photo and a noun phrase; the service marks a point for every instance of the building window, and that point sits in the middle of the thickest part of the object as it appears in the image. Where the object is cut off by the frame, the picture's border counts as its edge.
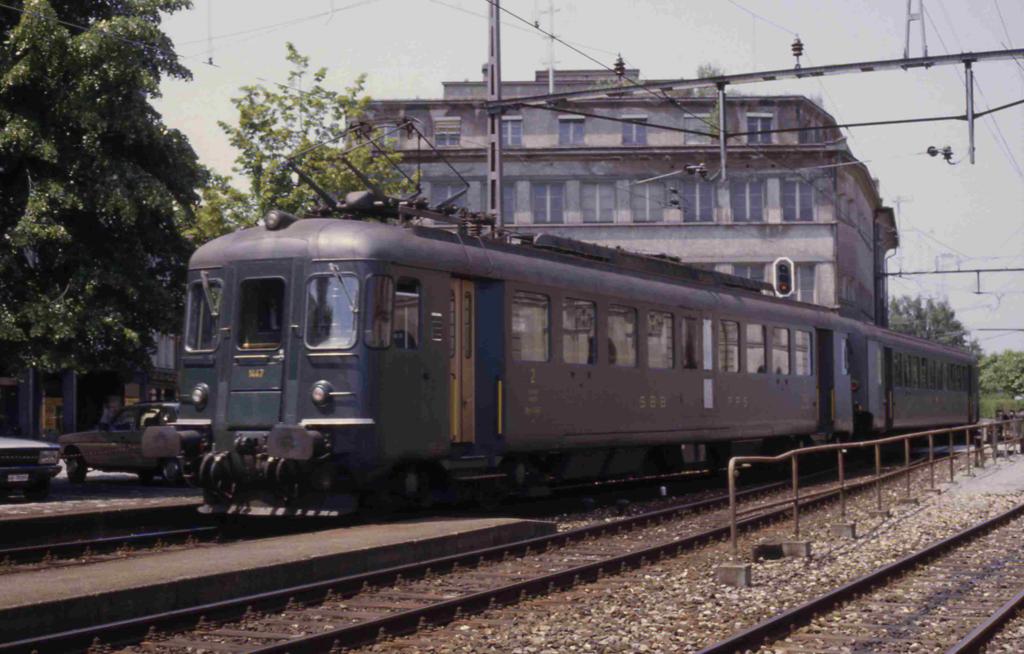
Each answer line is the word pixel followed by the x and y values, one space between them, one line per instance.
pixel 698 201
pixel 548 203
pixel 660 342
pixel 512 132
pixel 406 334
pixel 757 126
pixel 691 343
pixel 780 350
pixel 697 124
pixel 728 346
pixel 447 133
pixel 812 135
pixel 797 201
pixel 508 203
pixel 755 349
pixel 598 202
pixel 753 271
pixel 579 331
pixel 747 201
pixel 634 133
pixel 570 131
pixel 646 202
pixel 621 336
pixel 441 191
pixel 805 282
pixel 530 326
pixel 802 353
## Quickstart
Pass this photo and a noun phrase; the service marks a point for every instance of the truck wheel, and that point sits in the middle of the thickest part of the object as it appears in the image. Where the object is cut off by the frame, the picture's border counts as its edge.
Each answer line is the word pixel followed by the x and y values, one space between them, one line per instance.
pixel 170 469
pixel 38 492
pixel 76 467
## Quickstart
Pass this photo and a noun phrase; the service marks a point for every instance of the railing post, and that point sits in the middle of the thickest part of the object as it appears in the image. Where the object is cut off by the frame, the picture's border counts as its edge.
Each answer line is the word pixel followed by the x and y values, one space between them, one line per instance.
pixel 931 462
pixel 994 437
pixel 796 496
pixel 970 453
pixel 732 505
pixel 952 457
pixel 842 486
pixel 878 476
pixel 981 436
pixel 906 464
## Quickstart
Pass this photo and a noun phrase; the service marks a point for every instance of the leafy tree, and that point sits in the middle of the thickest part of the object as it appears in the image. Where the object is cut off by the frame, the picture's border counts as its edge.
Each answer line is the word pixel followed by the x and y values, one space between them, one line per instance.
pixel 276 123
pixel 1003 373
pixel 930 319
pixel 94 188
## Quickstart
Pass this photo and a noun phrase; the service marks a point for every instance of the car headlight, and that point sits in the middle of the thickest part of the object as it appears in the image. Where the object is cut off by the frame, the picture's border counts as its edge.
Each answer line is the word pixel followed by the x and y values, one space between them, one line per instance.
pixel 321 392
pixel 200 394
pixel 49 457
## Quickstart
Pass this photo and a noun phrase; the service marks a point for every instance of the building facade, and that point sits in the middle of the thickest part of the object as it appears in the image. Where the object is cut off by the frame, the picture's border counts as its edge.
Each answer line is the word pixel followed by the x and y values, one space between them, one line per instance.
pixel 800 194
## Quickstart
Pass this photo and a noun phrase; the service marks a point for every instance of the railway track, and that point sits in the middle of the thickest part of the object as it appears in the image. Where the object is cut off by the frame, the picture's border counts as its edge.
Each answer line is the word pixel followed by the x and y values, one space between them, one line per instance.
pixel 951 596
pixel 358 609
pixel 90 547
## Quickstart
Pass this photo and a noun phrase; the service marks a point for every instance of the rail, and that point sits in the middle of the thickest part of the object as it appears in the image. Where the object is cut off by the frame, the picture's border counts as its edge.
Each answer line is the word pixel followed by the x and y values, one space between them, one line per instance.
pixel 976 438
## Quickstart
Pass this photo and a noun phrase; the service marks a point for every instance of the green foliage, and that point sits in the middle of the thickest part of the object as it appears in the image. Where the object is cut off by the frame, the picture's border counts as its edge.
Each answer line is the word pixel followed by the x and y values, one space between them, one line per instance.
pixel 990 403
pixel 1002 373
pixel 275 123
pixel 930 319
pixel 94 188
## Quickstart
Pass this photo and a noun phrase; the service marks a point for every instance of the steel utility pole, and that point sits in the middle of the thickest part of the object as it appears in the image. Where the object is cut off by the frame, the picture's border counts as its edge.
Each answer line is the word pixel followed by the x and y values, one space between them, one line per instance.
pixel 494 113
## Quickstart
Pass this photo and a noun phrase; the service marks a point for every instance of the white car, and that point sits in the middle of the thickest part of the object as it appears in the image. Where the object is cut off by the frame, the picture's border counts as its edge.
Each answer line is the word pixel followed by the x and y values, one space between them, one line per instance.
pixel 28 466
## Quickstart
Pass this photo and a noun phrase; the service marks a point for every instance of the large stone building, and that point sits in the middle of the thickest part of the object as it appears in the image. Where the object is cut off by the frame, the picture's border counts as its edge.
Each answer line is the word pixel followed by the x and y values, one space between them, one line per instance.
pixel 799 194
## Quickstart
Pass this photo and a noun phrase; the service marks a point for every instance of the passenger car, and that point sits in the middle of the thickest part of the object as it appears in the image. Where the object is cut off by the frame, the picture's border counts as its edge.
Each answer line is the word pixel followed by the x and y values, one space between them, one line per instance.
pixel 27 465
pixel 329 362
pixel 116 447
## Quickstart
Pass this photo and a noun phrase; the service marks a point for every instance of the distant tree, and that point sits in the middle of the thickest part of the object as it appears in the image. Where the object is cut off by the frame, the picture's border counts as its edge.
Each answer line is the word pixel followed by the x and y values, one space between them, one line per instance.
pixel 275 123
pixel 94 188
pixel 930 319
pixel 1002 373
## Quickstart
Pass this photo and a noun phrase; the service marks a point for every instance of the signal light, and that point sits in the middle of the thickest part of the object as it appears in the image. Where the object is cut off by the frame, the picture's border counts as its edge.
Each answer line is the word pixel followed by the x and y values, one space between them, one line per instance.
pixel 782 276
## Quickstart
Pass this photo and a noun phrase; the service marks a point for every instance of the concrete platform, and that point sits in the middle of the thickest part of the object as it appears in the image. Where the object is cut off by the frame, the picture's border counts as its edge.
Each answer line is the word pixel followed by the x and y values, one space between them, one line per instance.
pixel 1004 477
pixel 32 602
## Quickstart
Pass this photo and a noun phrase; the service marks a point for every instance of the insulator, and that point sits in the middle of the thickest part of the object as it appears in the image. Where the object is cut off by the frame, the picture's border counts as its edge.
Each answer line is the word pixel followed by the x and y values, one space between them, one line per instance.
pixel 797 47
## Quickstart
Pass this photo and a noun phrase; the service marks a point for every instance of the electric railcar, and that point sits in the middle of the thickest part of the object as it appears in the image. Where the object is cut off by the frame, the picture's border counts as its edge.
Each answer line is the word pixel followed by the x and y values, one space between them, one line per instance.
pixel 332 361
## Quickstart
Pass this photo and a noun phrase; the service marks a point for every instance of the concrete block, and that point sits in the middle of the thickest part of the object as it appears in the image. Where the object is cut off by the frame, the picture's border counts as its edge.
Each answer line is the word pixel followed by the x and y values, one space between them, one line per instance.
pixel 797 548
pixel 844 530
pixel 768 551
pixel 734 574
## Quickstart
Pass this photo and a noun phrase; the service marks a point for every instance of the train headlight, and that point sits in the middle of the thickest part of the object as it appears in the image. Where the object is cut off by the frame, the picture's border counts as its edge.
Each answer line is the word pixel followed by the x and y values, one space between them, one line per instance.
pixel 200 395
pixel 321 392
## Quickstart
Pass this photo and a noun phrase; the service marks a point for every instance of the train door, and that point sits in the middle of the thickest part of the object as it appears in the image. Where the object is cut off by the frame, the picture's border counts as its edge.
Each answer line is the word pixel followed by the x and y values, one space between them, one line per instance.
pixel 842 395
pixel 707 363
pixel 887 384
pixel 826 380
pixel 259 343
pixel 462 360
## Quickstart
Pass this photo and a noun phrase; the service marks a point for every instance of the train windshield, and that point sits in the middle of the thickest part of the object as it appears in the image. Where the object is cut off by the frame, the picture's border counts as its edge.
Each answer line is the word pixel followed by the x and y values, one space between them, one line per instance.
pixel 203 308
pixel 331 309
pixel 261 314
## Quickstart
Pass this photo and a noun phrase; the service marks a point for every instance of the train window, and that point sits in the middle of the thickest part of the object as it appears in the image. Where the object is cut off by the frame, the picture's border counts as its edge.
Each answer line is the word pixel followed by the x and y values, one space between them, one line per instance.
pixel 330 310
pixel 451 324
pixel 897 367
pixel 203 311
pixel 261 316
pixel 908 377
pixel 802 353
pixel 579 331
pixel 621 336
pixel 467 326
pixel 709 358
pixel 531 326
pixel 691 337
pixel 756 360
pixel 728 346
pixel 380 296
pixel 406 334
pixel 847 355
pixel 922 372
pixel 780 350
pixel 660 340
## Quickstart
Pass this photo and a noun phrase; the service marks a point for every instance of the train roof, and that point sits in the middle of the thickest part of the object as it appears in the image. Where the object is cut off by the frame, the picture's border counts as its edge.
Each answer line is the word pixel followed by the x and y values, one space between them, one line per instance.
pixel 546 262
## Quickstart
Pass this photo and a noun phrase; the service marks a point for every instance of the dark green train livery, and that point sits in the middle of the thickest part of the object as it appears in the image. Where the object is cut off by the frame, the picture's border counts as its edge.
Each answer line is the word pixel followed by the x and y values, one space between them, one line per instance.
pixel 333 362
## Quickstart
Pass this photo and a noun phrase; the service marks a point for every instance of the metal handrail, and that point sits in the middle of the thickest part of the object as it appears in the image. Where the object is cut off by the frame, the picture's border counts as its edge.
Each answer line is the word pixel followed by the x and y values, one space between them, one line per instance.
pixel 1003 432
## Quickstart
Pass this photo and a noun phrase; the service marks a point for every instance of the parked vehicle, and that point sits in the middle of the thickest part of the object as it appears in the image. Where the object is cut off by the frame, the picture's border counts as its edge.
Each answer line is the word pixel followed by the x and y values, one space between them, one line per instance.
pixel 27 465
pixel 116 447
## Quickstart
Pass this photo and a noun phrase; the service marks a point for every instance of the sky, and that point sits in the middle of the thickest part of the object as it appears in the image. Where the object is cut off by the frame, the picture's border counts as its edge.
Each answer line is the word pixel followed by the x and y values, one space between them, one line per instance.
pixel 950 216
